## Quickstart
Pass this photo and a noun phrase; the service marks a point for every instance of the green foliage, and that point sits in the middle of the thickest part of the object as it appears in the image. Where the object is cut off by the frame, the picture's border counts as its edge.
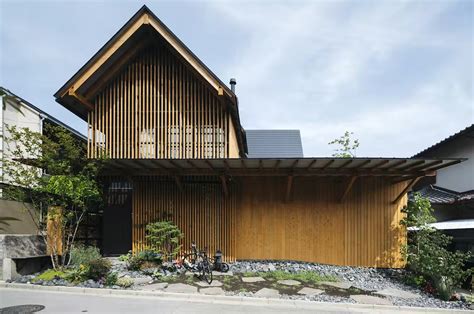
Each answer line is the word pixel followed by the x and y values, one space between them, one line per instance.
pixel 347 147
pixel 111 279
pixel 84 255
pixel 124 282
pixel 427 251
pixel 98 269
pixel 51 274
pixel 143 258
pixel 52 169
pixel 163 237
pixel 78 273
pixel 303 276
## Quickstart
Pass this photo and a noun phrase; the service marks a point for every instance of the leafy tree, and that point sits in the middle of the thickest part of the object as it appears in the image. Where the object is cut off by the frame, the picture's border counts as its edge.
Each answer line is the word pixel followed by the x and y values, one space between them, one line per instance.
pixel 52 171
pixel 427 251
pixel 347 147
pixel 163 237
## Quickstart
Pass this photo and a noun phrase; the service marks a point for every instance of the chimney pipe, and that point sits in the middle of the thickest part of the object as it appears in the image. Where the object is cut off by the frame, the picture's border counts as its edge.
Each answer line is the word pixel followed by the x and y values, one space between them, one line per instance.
pixel 233 82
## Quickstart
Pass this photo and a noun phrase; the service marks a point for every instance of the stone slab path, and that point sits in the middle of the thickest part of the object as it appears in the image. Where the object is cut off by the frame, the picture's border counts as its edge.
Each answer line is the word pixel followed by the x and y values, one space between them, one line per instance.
pixel 252 279
pixel 214 283
pixel 181 288
pixel 212 291
pixel 368 299
pixel 340 285
pixel 218 273
pixel 392 292
pixel 140 281
pixel 154 286
pixel 289 282
pixel 310 291
pixel 267 293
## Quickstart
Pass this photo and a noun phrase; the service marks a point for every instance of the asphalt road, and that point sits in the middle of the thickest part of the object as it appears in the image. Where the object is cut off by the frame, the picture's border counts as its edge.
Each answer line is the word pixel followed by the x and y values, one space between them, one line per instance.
pixel 68 302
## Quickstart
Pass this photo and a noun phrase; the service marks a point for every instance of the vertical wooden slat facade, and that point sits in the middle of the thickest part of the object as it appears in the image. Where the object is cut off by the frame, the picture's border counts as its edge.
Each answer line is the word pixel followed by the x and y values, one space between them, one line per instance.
pixel 254 222
pixel 156 107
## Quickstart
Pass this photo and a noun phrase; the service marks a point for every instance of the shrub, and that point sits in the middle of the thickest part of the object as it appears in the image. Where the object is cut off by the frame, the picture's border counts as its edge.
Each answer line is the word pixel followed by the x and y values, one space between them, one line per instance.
pixel 98 268
pixel 124 282
pixel 163 237
pixel 78 274
pixel 51 274
pixel 427 251
pixel 111 279
pixel 145 258
pixel 84 255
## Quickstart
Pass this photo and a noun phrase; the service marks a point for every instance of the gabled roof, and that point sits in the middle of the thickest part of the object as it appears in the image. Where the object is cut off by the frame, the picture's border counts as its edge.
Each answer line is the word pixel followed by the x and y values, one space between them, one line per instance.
pixel 77 92
pixel 43 113
pixel 274 144
pixel 467 131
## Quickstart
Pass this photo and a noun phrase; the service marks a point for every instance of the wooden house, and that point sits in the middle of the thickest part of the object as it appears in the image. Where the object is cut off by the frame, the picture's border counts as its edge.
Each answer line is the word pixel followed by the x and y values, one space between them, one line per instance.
pixel 177 150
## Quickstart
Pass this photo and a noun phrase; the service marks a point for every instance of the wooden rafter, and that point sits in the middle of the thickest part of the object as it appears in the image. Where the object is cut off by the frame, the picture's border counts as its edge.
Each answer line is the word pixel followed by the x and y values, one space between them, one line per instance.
pixel 177 179
pixel 406 189
pixel 396 164
pixel 289 184
pixel 363 164
pixel 381 163
pixel 450 163
pixel 413 165
pixel 348 187
pixel 344 164
pixel 426 166
pixel 328 164
pixel 293 165
pixel 277 163
pixel 311 164
pixel 83 100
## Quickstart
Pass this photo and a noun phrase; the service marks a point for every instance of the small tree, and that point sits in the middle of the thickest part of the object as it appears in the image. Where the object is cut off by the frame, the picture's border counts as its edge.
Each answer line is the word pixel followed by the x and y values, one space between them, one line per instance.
pixel 163 237
pixel 426 251
pixel 348 146
pixel 52 171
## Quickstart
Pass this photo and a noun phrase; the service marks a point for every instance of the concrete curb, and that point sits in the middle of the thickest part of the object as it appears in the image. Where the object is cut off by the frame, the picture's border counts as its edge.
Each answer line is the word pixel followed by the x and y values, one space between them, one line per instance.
pixel 235 300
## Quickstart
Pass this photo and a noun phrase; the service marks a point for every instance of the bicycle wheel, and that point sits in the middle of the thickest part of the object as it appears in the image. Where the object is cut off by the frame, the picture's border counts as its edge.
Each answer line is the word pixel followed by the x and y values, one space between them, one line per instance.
pixel 224 268
pixel 207 273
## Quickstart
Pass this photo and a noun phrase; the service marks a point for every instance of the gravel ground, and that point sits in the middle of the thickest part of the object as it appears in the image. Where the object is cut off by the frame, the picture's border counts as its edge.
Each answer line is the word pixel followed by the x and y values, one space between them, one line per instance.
pixel 368 279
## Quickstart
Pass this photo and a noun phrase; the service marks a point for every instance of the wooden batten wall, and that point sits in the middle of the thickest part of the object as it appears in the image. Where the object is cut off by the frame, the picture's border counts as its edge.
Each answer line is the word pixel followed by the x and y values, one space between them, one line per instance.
pixel 255 221
pixel 158 108
pixel 198 207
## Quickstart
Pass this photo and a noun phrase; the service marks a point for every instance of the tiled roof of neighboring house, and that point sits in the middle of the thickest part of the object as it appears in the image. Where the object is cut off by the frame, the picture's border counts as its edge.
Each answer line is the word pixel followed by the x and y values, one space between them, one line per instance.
pixel 469 129
pixel 274 144
pixel 438 195
pixel 43 113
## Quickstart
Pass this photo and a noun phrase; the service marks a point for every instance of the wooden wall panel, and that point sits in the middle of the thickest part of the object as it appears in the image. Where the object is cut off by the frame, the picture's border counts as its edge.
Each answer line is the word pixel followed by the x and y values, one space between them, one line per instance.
pixel 255 222
pixel 315 227
pixel 156 107
pixel 200 209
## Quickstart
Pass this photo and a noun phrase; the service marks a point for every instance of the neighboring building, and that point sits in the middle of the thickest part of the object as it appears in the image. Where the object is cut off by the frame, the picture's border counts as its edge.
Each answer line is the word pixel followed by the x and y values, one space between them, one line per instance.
pixel 16 111
pixel 177 150
pixel 451 191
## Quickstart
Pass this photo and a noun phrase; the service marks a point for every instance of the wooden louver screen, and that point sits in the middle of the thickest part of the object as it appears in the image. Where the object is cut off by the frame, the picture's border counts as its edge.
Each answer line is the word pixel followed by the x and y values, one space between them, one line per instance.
pixel 157 108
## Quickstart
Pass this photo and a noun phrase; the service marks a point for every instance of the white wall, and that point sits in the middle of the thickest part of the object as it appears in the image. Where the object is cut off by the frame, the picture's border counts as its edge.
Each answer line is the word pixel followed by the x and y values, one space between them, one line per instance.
pixel 459 177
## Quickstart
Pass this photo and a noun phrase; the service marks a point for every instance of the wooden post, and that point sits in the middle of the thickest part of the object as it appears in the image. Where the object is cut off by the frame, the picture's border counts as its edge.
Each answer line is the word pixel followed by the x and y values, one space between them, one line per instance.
pixel 54 230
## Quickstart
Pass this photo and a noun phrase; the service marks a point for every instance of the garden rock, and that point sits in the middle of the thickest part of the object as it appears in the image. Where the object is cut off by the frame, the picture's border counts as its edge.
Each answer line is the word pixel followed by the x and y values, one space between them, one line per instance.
pixel 181 288
pixel 340 285
pixel 392 292
pixel 267 293
pixel 214 283
pixel 141 281
pixel 310 291
pixel 212 291
pixel 252 279
pixel 154 286
pixel 368 299
pixel 289 282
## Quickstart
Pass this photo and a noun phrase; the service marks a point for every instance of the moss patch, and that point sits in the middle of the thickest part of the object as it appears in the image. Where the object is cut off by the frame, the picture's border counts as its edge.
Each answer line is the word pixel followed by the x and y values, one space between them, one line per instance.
pixel 304 276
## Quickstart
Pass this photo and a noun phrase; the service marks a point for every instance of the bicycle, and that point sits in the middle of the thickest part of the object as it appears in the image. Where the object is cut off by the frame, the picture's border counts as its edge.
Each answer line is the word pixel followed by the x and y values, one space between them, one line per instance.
pixel 198 262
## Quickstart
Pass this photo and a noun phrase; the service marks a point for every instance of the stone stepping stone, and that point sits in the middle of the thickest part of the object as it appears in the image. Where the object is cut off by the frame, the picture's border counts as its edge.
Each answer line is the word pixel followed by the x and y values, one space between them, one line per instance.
pixel 369 299
pixel 181 288
pixel 214 283
pixel 140 281
pixel 340 285
pixel 267 293
pixel 154 286
pixel 310 291
pixel 392 292
pixel 212 291
pixel 289 282
pixel 218 273
pixel 252 279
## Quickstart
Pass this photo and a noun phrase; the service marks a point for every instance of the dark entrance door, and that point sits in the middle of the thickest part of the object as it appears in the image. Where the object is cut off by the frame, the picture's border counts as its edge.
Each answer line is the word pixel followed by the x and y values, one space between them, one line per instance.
pixel 117 219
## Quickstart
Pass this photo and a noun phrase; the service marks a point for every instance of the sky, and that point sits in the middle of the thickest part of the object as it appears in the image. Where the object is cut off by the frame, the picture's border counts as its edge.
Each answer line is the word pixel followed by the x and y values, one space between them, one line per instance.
pixel 399 74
